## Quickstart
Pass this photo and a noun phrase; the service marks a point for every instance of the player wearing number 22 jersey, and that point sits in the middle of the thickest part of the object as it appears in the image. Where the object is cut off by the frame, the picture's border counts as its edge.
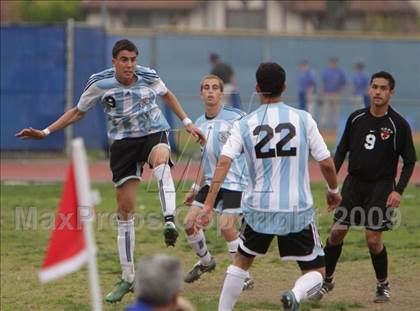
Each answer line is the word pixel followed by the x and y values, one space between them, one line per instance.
pixel 276 141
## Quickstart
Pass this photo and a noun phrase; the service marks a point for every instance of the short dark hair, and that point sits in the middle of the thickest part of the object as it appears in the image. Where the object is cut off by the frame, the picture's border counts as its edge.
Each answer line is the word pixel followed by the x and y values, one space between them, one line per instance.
pixel 124 45
pixel 386 76
pixel 271 78
pixel 214 56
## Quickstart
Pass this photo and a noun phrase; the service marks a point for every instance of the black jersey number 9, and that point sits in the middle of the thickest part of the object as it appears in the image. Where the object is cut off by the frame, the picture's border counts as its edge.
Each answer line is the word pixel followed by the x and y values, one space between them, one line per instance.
pixel 279 151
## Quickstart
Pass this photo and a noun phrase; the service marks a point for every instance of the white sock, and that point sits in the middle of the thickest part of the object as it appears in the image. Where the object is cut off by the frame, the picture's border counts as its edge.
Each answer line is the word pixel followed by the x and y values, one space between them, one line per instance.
pixel 198 243
pixel 166 186
pixel 232 287
pixel 307 285
pixel 126 240
pixel 233 247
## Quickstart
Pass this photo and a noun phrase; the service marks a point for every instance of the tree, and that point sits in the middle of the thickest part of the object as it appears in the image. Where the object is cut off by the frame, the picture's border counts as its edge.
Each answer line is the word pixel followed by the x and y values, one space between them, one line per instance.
pixel 50 11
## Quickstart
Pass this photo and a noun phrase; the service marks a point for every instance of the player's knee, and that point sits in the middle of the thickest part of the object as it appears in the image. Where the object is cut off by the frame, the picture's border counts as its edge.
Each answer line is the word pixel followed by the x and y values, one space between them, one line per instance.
pixel 160 160
pixel 159 156
pixel 229 232
pixel 336 237
pixel 190 230
pixel 125 211
pixel 374 244
pixel 189 225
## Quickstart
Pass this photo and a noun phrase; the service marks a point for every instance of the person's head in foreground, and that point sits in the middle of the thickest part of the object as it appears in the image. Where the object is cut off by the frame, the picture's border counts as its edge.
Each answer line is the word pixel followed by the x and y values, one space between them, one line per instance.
pixel 158 283
pixel 271 81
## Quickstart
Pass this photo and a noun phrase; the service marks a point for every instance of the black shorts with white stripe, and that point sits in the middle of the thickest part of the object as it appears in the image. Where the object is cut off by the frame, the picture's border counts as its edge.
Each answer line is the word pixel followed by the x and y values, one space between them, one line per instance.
pixel 128 156
pixel 305 246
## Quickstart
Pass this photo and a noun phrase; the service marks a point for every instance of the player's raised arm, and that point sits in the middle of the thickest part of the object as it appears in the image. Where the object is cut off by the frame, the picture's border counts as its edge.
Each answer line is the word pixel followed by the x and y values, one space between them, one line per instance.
pixel 69 117
pixel 176 107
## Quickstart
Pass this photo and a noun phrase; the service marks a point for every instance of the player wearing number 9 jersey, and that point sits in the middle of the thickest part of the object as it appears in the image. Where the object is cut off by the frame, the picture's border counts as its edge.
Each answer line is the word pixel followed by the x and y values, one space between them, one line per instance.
pixel 375 138
pixel 276 141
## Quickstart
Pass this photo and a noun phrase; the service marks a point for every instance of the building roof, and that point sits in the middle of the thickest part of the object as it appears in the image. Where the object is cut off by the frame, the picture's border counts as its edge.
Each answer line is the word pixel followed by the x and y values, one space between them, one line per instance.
pixel 355 6
pixel 140 5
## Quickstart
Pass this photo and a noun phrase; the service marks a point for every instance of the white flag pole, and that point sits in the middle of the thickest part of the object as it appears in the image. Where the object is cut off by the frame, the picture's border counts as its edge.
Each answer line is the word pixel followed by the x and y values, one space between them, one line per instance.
pixel 84 195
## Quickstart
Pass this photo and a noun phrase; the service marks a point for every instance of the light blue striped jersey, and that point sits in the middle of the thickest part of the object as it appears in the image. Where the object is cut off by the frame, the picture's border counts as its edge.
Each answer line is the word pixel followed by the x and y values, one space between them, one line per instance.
pixel 276 140
pixel 216 131
pixel 132 110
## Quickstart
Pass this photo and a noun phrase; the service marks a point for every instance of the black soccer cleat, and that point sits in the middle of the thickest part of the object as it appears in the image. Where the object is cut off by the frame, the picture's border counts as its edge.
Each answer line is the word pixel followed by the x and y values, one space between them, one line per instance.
pixel 325 289
pixel 198 269
pixel 383 293
pixel 170 233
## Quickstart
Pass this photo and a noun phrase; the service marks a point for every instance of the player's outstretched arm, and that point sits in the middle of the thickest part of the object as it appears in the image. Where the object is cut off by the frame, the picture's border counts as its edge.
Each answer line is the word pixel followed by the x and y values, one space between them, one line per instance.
pixel 71 116
pixel 173 103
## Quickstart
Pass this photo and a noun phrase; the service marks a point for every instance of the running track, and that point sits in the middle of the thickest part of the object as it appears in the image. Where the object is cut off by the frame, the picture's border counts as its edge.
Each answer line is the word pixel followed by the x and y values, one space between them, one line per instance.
pixel 54 171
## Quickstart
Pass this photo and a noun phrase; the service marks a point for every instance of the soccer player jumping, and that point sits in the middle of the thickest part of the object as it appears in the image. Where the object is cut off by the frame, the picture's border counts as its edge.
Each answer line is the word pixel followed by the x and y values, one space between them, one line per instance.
pixel 136 125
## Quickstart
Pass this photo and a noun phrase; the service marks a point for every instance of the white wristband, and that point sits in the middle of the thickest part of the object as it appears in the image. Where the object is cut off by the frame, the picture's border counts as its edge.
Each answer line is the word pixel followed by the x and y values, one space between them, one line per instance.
pixel 333 191
pixel 195 187
pixel 46 131
pixel 186 121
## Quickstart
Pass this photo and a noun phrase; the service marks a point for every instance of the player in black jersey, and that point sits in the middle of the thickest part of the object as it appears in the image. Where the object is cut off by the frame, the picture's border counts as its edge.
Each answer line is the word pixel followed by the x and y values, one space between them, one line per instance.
pixel 374 137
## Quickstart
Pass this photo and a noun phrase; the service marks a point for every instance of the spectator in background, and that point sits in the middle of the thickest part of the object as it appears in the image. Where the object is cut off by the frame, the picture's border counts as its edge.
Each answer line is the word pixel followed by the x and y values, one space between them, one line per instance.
pixel 334 81
pixel 360 87
pixel 306 84
pixel 158 285
pixel 225 72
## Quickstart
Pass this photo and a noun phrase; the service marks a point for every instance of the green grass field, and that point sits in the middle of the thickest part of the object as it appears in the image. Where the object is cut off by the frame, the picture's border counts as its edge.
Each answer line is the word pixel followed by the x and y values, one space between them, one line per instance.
pixel 27 214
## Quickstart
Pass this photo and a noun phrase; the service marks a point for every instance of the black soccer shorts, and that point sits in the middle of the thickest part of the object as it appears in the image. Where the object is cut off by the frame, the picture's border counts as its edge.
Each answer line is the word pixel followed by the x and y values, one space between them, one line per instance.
pixel 364 204
pixel 128 155
pixel 227 201
pixel 305 246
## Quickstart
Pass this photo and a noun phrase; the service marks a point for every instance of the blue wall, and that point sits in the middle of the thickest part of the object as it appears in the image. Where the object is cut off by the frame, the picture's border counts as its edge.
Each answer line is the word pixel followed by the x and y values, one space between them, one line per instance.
pixel 182 60
pixel 33 80
pixel 32 83
pixel 89 46
pixel 33 72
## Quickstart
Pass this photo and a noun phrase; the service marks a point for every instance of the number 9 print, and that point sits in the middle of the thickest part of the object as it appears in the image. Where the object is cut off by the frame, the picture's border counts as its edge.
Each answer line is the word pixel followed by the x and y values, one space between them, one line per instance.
pixel 370 141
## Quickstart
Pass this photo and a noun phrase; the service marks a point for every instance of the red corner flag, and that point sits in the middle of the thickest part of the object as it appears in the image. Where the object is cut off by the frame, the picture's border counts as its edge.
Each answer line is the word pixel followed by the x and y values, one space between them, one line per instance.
pixel 72 240
pixel 67 249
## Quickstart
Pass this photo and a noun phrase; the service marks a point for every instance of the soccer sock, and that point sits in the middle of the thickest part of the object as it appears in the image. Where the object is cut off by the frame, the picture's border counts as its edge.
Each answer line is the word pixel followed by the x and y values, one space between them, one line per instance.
pixel 380 264
pixel 332 253
pixel 233 247
pixel 232 287
pixel 198 243
pixel 126 248
pixel 307 285
pixel 167 193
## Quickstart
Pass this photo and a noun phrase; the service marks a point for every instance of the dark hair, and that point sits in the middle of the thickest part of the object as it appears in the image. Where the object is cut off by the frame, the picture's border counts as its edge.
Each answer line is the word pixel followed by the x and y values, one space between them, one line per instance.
pixel 270 78
pixel 123 45
pixel 214 56
pixel 386 76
